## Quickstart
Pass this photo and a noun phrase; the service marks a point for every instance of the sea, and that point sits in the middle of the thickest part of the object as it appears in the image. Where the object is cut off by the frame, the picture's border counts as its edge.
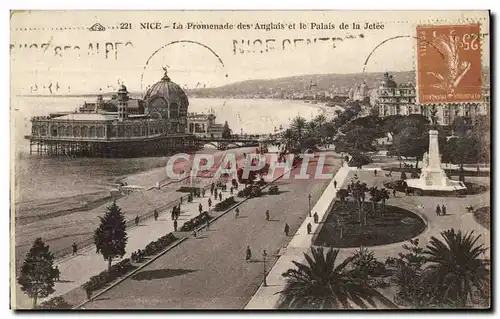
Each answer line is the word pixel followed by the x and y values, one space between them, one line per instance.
pixel 46 178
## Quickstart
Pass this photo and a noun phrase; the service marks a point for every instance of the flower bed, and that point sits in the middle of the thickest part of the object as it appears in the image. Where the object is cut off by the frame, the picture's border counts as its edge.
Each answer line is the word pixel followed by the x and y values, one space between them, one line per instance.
pixel 195 222
pixel 55 303
pixel 225 204
pixel 105 277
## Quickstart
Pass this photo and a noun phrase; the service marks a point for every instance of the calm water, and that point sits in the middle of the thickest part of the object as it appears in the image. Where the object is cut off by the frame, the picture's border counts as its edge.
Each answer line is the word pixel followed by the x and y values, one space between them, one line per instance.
pixel 44 178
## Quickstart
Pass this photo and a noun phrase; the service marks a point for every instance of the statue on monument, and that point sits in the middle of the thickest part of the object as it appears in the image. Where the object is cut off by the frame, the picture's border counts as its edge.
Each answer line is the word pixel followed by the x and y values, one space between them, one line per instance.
pixel 433 115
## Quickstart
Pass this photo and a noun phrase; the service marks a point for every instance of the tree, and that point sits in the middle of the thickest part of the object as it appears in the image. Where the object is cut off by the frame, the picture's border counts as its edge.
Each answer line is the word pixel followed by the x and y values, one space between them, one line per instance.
pixel 110 237
pixel 342 195
pixel 322 285
pixel 481 131
pixel 298 126
pixel 455 267
pixel 357 139
pixel 463 150
pixel 226 131
pixel 37 272
pixel 460 126
pixel 408 276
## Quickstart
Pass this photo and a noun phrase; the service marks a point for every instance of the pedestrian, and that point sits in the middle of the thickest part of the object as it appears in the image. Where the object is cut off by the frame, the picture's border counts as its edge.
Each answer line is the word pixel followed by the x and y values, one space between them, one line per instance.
pixel 156 215
pixel 267 215
pixel 248 254
pixel 231 190
pixel 316 217
pixel 309 228
pixel 194 233
pixel 75 249
pixel 208 223
pixel 215 194
pixel 181 199
pixel 220 196
pixel 443 210
pixel 407 191
pixel 438 210
pixel 57 274
pixel 287 229
pixel 136 220
pixel 173 212
pixel 175 225
pixel 203 192
pixel 375 172
pixel 394 192
pixel 237 213
pixel 209 203
pixel 88 291
pixel 335 184
pixel 178 212
pixel 200 208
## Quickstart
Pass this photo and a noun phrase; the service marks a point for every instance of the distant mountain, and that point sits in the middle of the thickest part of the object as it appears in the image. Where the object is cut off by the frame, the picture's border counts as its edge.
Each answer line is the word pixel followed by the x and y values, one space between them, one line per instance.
pixel 303 84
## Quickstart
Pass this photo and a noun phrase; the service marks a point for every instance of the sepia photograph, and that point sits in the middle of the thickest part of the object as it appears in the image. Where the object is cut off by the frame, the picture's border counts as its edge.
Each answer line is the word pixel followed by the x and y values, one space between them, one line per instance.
pixel 250 160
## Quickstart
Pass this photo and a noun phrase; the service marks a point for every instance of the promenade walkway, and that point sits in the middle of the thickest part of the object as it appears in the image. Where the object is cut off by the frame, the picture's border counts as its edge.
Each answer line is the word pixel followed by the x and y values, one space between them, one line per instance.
pixel 76 270
pixel 457 217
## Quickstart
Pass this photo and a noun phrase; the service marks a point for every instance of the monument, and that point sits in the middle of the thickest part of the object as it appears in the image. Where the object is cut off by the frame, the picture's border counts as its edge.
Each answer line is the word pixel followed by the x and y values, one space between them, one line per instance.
pixel 433 178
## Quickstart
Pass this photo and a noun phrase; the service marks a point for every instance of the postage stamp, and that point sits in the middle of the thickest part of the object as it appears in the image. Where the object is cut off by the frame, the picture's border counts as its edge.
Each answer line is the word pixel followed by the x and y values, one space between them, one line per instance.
pixel 190 159
pixel 449 63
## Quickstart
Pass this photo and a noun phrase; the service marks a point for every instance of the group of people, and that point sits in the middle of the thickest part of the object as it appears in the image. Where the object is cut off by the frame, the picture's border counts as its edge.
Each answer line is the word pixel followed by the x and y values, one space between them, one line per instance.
pixel 137 256
pixel 440 211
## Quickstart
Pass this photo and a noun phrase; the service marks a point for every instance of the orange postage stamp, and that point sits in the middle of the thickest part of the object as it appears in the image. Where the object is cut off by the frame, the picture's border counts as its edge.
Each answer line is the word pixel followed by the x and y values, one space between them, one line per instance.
pixel 449 63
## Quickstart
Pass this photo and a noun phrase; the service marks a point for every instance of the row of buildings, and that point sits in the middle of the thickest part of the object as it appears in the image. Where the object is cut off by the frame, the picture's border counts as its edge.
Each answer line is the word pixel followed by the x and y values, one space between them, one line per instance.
pixel 392 98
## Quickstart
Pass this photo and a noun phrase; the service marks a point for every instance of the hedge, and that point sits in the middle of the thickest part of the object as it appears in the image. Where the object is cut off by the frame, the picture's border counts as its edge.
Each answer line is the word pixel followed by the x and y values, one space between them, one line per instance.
pixel 188 189
pixel 55 303
pixel 225 204
pixel 195 222
pixel 105 277
pixel 250 191
pixel 274 190
pixel 157 246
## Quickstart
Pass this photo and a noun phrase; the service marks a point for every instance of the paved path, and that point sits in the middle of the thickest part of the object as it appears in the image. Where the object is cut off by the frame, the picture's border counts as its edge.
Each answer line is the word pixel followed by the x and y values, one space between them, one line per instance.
pixel 457 218
pixel 76 270
pixel 210 271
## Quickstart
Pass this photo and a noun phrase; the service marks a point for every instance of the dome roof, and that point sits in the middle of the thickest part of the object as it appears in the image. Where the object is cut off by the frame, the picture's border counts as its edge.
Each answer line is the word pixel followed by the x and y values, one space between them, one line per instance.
pixel 168 90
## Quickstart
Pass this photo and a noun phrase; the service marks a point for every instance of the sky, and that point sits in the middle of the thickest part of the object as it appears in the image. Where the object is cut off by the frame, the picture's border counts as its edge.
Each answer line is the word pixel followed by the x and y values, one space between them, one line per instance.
pixel 57 46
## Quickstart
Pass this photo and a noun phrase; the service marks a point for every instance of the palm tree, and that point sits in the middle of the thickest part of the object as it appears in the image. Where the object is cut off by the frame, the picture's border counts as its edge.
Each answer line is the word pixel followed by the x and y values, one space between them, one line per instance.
pixel 298 126
pixel 288 140
pixel 321 284
pixel 456 268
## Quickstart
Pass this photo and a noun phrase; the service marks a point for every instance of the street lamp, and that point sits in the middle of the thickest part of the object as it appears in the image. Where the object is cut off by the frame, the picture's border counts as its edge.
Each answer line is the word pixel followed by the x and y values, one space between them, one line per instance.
pixel 264 254
pixel 309 197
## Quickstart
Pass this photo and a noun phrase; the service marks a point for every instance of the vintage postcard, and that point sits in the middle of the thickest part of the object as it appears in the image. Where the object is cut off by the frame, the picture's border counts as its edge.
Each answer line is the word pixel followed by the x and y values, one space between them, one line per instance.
pixel 250 160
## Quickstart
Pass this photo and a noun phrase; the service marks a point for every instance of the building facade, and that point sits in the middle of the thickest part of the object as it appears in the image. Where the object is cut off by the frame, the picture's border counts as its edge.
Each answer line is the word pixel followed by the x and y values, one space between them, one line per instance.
pixel 394 99
pixel 203 125
pixel 120 127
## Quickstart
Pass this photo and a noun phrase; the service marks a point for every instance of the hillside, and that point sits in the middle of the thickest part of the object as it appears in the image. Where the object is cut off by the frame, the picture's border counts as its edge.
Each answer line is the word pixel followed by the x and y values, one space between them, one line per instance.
pixel 300 84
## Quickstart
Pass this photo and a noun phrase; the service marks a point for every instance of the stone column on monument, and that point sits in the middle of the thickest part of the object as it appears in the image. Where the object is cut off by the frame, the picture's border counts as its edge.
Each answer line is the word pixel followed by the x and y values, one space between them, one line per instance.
pixel 434 156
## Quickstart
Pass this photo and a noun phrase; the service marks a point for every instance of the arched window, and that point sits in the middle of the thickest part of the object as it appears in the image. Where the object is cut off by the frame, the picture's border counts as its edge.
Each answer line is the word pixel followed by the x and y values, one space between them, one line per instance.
pixel 43 130
pixel 67 131
pixel 76 131
pixel 92 132
pixel 85 131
